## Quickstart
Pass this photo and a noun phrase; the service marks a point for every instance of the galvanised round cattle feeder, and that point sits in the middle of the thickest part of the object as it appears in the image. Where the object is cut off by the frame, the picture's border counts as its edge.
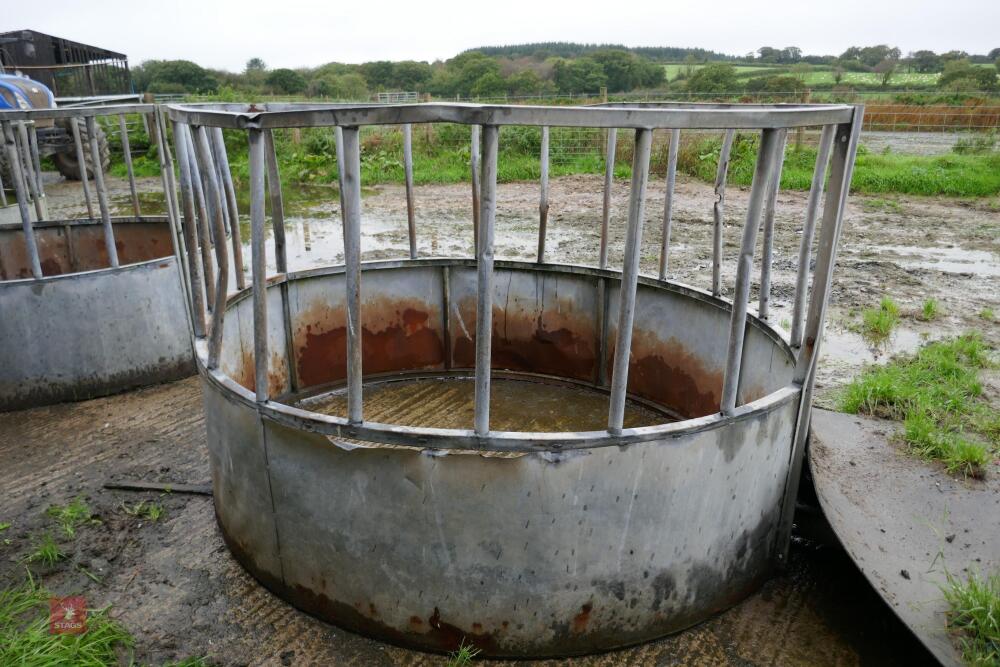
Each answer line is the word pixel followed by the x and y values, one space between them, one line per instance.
pixel 91 305
pixel 522 543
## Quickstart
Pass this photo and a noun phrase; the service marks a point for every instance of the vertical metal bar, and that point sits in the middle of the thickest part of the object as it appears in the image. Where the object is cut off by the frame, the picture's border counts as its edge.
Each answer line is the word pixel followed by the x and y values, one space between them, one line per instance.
pixel 277 204
pixel 102 193
pixel 22 199
pixel 630 278
pixel 81 160
pixel 36 163
pixel 446 314
pixel 352 272
pixel 204 155
pixel 808 230
pixel 411 223
pixel 127 154
pixel 766 157
pixel 189 227
pixel 204 236
pixel 543 198
pixel 258 265
pixel 668 202
pixel 173 219
pixel 3 190
pixel 339 142
pixel 609 180
pixel 841 169
pixel 484 279
pixel 234 213
pixel 718 211
pixel 28 170
pixel 474 154
pixel 767 257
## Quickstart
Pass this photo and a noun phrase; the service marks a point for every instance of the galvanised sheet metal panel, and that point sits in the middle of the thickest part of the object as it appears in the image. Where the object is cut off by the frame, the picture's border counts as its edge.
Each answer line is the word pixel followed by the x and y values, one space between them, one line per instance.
pixel 90 334
pixel 401 317
pixel 533 554
pixel 543 322
pixel 236 356
pixel 240 488
pixel 767 366
pixel 679 351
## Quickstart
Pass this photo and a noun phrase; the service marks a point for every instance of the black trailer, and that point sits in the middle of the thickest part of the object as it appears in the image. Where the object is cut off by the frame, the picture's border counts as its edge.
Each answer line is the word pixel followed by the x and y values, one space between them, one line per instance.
pixel 68 68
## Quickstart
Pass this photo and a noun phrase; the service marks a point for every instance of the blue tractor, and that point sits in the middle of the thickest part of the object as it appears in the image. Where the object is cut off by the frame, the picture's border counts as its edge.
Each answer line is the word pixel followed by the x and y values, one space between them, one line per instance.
pixel 55 138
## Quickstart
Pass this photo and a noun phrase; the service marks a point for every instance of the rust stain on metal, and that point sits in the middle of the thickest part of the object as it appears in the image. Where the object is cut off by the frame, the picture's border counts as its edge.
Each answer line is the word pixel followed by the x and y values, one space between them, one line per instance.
pixel 670 374
pixel 397 334
pixel 556 340
pixel 135 241
pixel 277 373
pixel 580 620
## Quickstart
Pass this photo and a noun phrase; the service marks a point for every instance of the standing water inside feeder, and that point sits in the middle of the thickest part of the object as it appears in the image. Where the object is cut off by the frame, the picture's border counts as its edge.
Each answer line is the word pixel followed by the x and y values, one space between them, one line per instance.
pixel 515 405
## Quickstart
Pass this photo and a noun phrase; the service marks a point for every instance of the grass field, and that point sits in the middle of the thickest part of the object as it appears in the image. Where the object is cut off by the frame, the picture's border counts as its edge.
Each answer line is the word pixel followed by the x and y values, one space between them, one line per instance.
pixel 820 75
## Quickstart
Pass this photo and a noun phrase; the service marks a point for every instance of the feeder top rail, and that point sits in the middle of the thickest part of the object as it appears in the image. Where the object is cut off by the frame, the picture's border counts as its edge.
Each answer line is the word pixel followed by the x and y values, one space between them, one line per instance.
pixel 666 116
pixel 77 112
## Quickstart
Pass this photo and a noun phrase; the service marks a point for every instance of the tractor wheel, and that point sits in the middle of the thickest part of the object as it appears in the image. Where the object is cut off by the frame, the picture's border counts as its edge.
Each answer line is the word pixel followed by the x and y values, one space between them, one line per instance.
pixel 67 163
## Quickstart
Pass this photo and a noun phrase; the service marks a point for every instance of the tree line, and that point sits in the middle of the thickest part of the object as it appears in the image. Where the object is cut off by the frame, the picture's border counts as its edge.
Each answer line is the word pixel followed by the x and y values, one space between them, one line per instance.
pixel 565 68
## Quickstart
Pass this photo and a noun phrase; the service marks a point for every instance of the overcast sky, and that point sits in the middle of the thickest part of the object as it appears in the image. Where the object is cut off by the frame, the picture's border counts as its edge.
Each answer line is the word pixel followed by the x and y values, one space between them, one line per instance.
pixel 293 33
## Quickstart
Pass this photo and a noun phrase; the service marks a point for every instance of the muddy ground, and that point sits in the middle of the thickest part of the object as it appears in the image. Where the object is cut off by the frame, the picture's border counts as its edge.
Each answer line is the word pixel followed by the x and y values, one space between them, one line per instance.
pixel 173 584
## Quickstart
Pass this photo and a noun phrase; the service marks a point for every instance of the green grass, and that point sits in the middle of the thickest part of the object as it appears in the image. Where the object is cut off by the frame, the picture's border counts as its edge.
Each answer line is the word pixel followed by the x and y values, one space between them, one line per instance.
pixel 974 614
pixel 463 657
pixel 930 310
pixel 143 509
pixel 937 395
pixel 71 516
pixel 25 639
pixel 986 314
pixel 878 323
pixel 969 175
pixel 46 552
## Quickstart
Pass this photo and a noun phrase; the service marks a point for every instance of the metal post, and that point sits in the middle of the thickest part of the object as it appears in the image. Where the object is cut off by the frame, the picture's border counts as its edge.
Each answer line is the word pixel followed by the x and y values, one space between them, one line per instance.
pixel 484 279
pixel 630 279
pixel 543 199
pixel 668 202
pixel 258 265
pixel 766 158
pixel 189 227
pixel 36 164
pixel 204 155
pixel 339 142
pixel 718 211
pixel 277 204
pixel 476 189
pixel 808 229
pixel 22 199
pixel 81 160
pixel 408 172
pixel 351 197
pixel 234 213
pixel 609 179
pixel 28 170
pixel 767 258
pixel 173 219
pixel 127 154
pixel 3 191
pixel 204 237
pixel 841 169
pixel 102 193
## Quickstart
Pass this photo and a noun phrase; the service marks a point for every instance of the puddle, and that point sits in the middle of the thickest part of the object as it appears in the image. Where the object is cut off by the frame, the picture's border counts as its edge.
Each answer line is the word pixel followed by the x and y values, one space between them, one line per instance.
pixel 449 403
pixel 946 260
